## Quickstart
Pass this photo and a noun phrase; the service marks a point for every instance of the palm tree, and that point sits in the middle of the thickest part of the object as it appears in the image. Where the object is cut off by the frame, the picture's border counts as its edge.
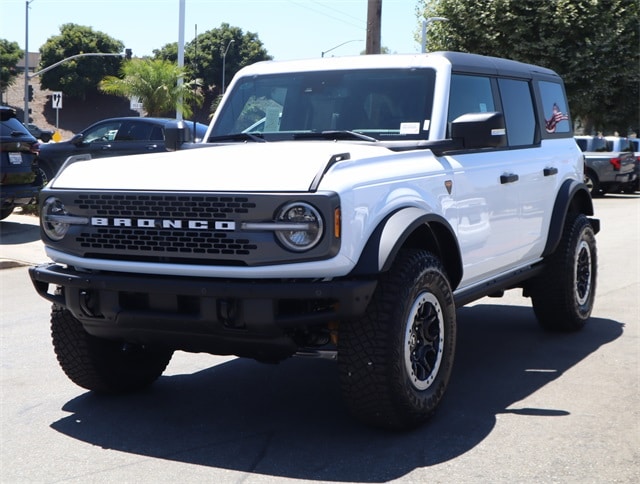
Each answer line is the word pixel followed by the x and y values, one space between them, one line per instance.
pixel 155 84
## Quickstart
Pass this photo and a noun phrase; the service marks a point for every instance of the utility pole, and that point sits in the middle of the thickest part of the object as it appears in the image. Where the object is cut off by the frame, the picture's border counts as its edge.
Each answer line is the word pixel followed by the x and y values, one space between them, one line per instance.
pixel 26 61
pixel 374 21
pixel 181 15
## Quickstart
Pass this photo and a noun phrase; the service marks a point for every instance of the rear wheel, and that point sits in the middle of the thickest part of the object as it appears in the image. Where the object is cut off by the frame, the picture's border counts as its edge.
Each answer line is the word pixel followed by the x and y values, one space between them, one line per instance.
pixel 396 361
pixel 632 187
pixel 102 365
pixel 46 172
pixel 5 212
pixel 563 295
pixel 591 180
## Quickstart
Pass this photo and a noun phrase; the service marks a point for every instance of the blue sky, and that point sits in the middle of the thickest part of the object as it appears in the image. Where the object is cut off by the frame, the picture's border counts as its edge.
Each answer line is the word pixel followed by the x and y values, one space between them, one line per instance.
pixel 288 29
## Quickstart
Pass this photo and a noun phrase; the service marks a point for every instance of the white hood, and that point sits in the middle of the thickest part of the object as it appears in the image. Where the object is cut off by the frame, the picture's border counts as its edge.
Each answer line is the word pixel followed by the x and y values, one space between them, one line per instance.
pixel 260 167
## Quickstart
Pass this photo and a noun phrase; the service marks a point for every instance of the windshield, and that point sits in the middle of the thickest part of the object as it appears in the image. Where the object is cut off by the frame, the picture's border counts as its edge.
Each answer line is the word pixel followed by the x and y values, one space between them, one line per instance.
pixel 383 104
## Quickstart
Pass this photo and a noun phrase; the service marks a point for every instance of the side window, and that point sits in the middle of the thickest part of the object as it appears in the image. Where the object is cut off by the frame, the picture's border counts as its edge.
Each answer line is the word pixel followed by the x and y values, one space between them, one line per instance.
pixel 519 116
pixel 554 105
pixel 470 94
pixel 102 132
pixel 156 134
pixel 134 131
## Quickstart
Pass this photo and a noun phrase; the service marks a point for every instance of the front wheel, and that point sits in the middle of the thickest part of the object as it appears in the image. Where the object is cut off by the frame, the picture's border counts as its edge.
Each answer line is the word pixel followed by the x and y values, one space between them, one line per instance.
pixel 564 294
pixel 395 362
pixel 102 365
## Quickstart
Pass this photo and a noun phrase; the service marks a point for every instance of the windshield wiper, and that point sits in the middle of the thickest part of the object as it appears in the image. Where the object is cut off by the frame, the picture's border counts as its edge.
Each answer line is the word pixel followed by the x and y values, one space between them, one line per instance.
pixel 257 137
pixel 335 134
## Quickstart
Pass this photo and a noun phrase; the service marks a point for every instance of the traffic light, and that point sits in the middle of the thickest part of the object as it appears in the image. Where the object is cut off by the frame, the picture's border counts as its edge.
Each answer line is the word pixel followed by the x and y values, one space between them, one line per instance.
pixel 30 93
pixel 127 54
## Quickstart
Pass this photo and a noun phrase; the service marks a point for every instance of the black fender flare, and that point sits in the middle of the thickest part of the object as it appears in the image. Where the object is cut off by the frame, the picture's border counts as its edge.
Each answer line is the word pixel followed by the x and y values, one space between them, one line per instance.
pixel 414 227
pixel 573 196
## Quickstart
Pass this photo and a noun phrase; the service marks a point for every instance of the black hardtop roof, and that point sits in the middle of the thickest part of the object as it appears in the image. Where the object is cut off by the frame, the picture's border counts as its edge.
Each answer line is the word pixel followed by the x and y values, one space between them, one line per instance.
pixel 480 64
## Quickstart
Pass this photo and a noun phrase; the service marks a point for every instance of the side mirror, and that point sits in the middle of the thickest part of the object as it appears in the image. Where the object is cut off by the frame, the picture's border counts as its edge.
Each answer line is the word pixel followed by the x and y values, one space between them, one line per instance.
pixel 77 139
pixel 479 130
pixel 175 134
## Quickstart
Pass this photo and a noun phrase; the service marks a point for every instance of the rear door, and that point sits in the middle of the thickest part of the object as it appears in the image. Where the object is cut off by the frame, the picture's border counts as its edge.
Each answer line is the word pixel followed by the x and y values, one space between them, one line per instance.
pixel 137 137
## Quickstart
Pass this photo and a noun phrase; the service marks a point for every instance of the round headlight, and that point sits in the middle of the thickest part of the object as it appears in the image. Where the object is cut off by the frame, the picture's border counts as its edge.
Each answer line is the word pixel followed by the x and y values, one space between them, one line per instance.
pixel 52 212
pixel 300 226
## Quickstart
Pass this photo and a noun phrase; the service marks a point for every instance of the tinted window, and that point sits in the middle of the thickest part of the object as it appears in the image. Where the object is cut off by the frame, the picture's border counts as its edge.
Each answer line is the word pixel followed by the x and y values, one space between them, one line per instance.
pixel 517 106
pixel 554 105
pixel 582 144
pixel 156 134
pixel 134 132
pixel 11 125
pixel 470 94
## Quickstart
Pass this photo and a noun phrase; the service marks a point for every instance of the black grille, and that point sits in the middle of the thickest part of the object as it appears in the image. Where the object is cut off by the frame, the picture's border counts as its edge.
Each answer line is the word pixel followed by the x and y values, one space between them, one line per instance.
pixel 177 242
pixel 164 243
pixel 164 206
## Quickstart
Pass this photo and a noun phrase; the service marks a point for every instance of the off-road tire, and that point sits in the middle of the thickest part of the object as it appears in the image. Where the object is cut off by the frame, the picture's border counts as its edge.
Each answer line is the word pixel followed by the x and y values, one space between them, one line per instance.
pixel 102 365
pixel 564 294
pixel 395 361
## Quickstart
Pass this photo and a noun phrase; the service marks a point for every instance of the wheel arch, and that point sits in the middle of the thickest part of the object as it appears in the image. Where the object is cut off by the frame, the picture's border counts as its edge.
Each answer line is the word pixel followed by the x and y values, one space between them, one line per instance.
pixel 573 196
pixel 415 228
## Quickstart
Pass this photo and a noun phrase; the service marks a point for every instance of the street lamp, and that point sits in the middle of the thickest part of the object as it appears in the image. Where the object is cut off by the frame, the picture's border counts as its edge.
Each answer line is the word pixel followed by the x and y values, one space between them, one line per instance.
pixel 339 45
pixel 425 24
pixel 224 61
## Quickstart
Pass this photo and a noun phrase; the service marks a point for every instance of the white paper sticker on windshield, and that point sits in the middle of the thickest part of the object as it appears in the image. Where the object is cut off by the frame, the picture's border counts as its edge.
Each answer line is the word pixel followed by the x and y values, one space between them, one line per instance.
pixel 426 125
pixel 409 128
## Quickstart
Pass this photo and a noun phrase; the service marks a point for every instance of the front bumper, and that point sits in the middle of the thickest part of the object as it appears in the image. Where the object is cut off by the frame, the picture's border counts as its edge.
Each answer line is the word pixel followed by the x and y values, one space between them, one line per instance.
pixel 218 316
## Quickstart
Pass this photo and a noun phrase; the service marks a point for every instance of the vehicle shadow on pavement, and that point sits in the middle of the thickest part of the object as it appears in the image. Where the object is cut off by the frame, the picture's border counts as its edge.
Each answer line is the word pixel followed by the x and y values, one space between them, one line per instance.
pixel 14 233
pixel 288 420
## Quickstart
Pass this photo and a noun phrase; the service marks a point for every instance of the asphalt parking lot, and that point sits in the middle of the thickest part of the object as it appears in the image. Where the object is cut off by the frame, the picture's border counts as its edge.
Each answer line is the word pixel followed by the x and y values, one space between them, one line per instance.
pixel 523 406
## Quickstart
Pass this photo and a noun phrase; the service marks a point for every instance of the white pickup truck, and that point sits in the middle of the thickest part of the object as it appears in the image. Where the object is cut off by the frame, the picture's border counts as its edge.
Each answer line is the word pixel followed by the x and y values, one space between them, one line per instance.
pixel 338 208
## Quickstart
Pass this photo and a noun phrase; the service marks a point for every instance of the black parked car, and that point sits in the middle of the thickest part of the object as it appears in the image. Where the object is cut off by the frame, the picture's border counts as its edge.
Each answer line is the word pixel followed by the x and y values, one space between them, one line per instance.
pixel 41 134
pixel 20 180
pixel 111 137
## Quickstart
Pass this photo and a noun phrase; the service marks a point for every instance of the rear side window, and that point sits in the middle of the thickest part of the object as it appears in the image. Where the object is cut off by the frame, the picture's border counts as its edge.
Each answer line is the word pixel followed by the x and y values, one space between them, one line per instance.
pixel 555 108
pixel 519 115
pixel 134 132
pixel 11 125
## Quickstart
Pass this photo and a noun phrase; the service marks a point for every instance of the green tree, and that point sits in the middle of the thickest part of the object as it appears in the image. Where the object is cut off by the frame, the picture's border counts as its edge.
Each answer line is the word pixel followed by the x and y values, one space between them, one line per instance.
pixel 78 77
pixel 10 54
pixel 203 57
pixel 155 84
pixel 593 44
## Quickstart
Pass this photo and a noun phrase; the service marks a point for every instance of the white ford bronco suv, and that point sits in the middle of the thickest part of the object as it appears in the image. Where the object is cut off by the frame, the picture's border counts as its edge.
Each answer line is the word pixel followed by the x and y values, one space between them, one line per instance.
pixel 338 208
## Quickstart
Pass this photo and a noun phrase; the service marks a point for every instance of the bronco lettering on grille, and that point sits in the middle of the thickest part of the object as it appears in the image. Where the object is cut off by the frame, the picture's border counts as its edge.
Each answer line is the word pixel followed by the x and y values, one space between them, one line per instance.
pixel 165 224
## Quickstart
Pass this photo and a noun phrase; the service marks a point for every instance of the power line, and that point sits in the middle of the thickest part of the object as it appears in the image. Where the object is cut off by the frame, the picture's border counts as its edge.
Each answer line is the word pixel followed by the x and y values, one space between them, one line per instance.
pixel 361 25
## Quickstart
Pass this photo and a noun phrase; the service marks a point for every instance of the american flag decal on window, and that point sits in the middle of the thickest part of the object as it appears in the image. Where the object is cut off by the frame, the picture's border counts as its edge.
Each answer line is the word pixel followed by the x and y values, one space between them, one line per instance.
pixel 556 117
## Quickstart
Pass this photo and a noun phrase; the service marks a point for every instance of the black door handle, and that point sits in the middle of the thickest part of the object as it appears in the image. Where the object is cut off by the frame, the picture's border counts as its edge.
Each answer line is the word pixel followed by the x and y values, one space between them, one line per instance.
pixel 550 171
pixel 509 178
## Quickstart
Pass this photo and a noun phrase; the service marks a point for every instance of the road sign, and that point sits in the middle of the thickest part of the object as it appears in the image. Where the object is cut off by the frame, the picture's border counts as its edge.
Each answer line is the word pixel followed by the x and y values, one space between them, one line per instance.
pixel 134 103
pixel 56 100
